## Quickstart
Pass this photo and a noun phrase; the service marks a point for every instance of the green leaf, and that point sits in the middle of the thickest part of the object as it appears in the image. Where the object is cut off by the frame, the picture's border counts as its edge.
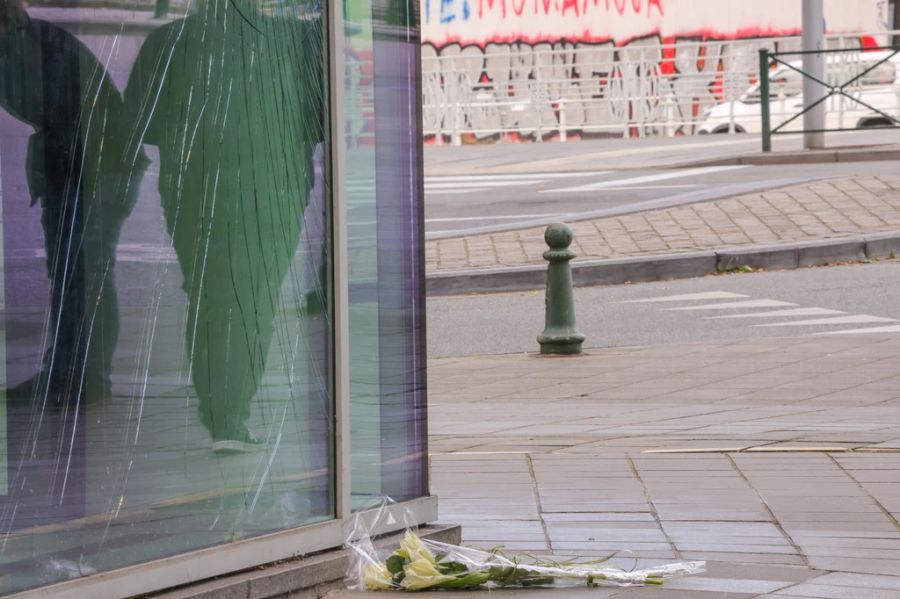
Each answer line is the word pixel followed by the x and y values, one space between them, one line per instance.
pixel 452 568
pixel 395 564
pixel 468 581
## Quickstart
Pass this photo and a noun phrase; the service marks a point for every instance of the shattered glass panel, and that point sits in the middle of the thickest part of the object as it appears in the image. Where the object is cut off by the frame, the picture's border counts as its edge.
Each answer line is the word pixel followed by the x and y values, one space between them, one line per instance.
pixel 166 293
pixel 386 260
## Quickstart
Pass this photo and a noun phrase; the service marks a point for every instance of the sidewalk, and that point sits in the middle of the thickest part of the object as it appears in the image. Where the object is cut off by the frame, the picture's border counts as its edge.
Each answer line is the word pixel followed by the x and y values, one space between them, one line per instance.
pixel 790 217
pixel 774 460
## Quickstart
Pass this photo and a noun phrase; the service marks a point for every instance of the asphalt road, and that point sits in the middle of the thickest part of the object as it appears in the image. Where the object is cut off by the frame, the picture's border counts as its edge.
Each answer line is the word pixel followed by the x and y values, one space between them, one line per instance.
pixel 477 203
pixel 482 188
pixel 840 299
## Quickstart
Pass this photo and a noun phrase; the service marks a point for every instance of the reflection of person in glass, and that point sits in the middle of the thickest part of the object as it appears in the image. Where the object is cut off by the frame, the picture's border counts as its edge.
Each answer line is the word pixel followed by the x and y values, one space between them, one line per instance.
pixel 233 99
pixel 76 171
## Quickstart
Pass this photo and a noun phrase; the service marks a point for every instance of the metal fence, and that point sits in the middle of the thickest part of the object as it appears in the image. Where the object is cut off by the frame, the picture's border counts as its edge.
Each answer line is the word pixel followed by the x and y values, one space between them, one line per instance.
pixel 860 89
pixel 542 91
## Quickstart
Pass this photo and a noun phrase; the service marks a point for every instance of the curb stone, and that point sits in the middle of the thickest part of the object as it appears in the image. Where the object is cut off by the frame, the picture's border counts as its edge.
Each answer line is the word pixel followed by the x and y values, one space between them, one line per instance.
pixel 840 154
pixel 644 269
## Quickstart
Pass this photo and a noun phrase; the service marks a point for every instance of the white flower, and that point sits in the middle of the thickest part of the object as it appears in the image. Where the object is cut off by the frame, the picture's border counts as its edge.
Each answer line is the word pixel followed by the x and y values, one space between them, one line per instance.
pixel 412 548
pixel 422 574
pixel 377 578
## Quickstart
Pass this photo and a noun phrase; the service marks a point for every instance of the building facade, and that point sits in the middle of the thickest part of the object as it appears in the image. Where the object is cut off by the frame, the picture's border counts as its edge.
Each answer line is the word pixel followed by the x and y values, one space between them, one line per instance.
pixel 213 285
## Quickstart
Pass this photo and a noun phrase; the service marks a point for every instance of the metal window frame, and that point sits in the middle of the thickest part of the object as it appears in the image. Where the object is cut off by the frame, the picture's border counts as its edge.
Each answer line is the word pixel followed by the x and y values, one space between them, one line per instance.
pixel 202 564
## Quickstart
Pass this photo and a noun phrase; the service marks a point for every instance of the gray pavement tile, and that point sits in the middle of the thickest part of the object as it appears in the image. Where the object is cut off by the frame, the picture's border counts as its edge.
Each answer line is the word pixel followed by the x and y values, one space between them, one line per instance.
pixel 501 537
pixel 815 590
pixel 578 593
pixel 486 515
pixel 578 529
pixel 860 581
pixel 792 574
pixel 593 506
pixel 510 546
pixel 859 552
pixel 745 557
pixel 705 505
pixel 727 585
pixel 713 547
pixel 813 531
pixel 680 511
pixel 640 549
pixel 856 564
pixel 875 475
pixel 591 517
pixel 731 529
pixel 664 592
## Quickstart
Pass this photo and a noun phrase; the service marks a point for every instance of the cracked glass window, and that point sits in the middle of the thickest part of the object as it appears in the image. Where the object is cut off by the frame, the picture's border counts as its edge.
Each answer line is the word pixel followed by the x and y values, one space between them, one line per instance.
pixel 166 297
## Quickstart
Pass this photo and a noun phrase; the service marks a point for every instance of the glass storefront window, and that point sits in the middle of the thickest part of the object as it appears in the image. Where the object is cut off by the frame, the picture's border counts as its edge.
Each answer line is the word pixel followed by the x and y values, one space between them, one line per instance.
pixel 166 298
pixel 175 321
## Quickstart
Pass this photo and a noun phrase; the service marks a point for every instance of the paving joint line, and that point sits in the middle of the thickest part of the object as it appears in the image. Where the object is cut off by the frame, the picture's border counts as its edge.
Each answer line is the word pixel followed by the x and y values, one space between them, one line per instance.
pixel 652 506
pixel 535 488
pixel 769 511
pixel 877 503
pixel 645 435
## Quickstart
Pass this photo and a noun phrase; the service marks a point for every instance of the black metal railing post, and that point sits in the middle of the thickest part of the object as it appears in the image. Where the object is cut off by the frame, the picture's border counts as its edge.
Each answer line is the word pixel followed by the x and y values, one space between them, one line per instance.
pixel 764 100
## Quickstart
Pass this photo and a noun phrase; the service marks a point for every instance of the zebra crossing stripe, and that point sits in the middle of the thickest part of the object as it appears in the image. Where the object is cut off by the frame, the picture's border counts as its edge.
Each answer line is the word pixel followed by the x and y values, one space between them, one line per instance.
pixel 828 317
pixel 674 174
pixel 781 313
pixel 455 191
pixel 520 177
pixel 886 329
pixel 431 186
pixel 760 303
pixel 850 319
pixel 707 295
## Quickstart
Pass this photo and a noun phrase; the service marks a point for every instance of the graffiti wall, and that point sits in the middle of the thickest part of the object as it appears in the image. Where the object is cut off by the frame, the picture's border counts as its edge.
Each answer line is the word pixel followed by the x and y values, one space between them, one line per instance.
pixel 480 22
pixel 532 67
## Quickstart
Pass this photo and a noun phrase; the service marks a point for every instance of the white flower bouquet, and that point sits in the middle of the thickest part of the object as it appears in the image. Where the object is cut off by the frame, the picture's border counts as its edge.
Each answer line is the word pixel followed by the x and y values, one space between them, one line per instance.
pixel 421 564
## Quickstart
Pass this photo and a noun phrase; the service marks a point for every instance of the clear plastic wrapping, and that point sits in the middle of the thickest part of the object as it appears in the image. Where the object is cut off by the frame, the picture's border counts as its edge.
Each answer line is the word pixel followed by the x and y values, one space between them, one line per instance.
pixel 420 564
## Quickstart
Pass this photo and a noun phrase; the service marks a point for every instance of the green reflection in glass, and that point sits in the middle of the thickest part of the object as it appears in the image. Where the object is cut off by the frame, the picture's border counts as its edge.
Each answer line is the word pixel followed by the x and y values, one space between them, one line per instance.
pixel 223 333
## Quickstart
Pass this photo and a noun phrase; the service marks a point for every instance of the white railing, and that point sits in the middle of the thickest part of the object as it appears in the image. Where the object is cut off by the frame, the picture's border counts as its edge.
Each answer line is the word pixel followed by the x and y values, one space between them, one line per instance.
pixel 556 90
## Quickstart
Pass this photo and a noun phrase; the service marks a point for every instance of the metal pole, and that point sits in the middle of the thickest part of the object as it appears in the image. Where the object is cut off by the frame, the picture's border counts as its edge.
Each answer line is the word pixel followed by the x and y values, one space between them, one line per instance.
pixel 764 100
pixel 562 120
pixel 895 14
pixel 813 39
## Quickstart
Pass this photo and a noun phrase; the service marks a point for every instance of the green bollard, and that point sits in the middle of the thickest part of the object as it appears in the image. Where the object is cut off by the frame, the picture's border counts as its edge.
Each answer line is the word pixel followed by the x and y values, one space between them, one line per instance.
pixel 560 335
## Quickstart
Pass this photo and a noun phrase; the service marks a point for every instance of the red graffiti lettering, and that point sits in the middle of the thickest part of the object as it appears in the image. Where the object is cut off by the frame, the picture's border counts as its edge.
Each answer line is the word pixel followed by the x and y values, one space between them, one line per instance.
pixel 620 6
pixel 570 4
pixel 657 4
pixel 490 6
pixel 636 5
pixel 518 9
pixel 546 4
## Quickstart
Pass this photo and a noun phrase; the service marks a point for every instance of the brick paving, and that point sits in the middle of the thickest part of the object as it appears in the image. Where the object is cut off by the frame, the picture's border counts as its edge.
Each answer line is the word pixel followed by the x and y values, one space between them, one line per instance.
pixel 818 210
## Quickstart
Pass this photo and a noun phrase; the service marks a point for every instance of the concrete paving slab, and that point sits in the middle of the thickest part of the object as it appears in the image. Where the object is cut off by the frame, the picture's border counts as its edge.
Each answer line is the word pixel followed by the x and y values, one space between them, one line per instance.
pixel 750 512
pixel 822 591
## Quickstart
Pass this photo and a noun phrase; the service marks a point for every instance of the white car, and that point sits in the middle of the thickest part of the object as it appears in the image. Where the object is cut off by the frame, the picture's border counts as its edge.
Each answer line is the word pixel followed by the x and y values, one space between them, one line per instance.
pixel 879 88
